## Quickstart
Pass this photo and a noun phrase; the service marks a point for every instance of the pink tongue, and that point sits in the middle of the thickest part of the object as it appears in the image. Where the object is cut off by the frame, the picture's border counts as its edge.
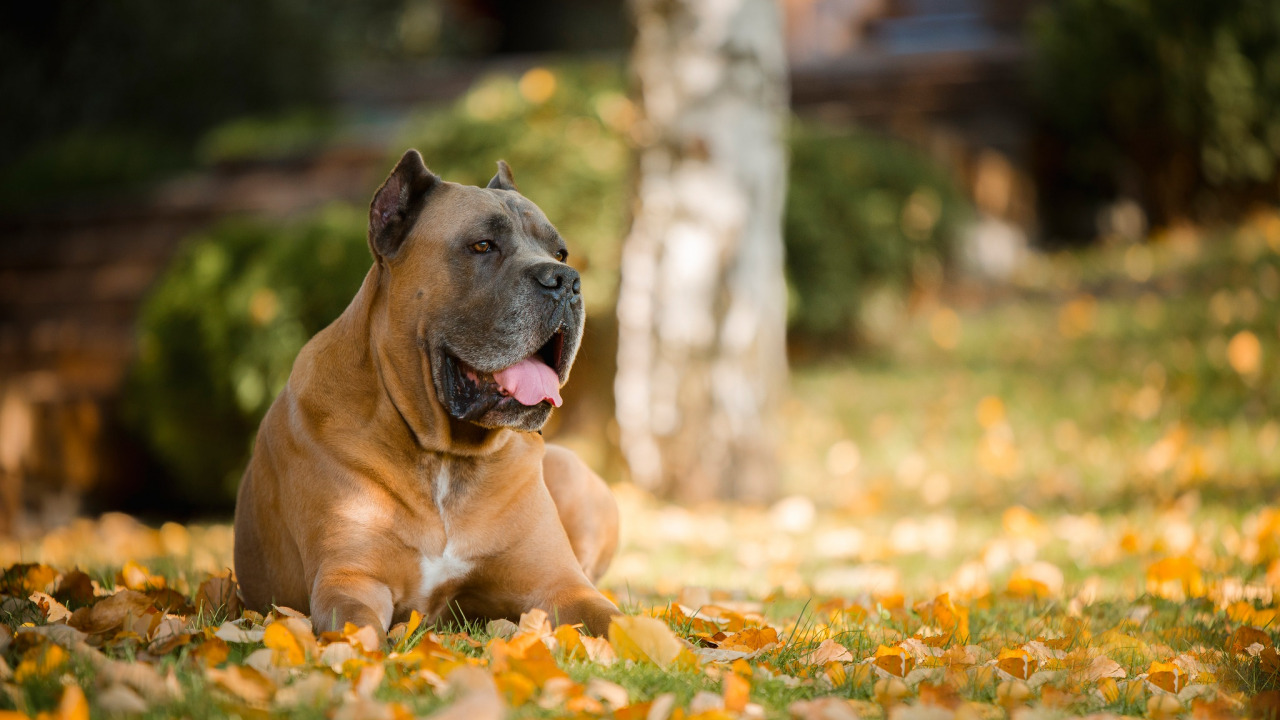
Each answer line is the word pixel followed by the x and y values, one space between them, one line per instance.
pixel 530 381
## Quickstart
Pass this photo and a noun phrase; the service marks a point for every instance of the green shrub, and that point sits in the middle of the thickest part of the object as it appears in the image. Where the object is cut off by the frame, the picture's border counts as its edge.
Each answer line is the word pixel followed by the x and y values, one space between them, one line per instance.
pixel 219 334
pixel 1183 97
pixel 863 213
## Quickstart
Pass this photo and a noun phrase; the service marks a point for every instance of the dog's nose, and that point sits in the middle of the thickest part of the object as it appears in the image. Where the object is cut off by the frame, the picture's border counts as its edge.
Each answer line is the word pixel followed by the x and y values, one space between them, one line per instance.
pixel 558 279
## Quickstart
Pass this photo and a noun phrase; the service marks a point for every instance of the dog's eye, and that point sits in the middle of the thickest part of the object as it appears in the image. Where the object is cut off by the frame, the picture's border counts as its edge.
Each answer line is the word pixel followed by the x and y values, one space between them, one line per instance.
pixel 562 255
pixel 483 246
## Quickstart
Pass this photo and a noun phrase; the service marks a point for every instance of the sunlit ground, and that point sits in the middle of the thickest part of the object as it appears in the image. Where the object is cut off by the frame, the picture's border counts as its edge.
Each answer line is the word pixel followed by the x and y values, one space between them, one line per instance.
pixel 1086 463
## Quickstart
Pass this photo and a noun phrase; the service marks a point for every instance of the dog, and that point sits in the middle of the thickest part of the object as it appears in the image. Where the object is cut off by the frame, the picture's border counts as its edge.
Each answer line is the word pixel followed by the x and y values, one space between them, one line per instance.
pixel 402 467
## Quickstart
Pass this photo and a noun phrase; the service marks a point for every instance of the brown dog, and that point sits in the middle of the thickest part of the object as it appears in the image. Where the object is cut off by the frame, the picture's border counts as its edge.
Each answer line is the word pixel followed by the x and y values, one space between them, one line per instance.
pixel 401 468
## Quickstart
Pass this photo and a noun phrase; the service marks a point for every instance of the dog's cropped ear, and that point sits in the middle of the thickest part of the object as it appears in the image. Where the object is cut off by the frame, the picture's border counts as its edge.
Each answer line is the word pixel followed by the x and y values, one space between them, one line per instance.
pixel 503 180
pixel 396 204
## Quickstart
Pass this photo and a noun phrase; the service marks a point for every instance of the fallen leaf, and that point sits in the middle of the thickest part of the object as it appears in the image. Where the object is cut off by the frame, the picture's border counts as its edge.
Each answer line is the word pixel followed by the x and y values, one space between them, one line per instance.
pixel 736 692
pixel 644 639
pixel 476 696
pixel 893 660
pixel 236 632
pixel 244 683
pixel 217 596
pixel 1017 664
pixel 1246 636
pixel 827 651
pixel 121 699
pixel 111 612
pixel 53 611
pixel 72 705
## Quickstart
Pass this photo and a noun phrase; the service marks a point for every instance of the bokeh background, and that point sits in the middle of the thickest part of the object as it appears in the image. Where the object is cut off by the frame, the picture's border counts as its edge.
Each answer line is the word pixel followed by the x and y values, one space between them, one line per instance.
pixel 1032 264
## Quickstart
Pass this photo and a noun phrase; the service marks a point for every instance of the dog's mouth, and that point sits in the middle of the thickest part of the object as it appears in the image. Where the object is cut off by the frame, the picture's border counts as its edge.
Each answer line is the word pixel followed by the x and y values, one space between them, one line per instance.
pixel 471 393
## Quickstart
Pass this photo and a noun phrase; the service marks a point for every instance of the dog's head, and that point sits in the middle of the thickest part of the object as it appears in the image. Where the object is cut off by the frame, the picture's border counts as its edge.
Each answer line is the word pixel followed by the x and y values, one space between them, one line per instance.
pixel 476 280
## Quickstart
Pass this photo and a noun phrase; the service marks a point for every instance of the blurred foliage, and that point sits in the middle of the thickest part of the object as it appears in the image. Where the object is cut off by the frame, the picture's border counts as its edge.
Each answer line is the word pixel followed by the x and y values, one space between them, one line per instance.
pixel 262 138
pixel 863 214
pixel 1177 102
pixel 140 81
pixel 219 334
pixel 106 96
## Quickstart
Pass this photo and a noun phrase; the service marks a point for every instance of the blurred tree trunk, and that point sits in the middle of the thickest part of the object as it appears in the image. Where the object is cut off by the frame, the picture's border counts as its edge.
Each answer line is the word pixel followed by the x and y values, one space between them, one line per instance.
pixel 702 303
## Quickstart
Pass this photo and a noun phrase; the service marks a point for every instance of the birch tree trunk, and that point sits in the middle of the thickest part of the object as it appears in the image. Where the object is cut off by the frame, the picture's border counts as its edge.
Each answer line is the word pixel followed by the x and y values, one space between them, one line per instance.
pixel 702 301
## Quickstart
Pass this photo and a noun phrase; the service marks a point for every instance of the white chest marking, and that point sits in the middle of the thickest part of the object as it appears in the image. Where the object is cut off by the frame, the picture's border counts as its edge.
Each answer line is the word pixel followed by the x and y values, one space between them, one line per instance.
pixel 438 571
pixel 447 567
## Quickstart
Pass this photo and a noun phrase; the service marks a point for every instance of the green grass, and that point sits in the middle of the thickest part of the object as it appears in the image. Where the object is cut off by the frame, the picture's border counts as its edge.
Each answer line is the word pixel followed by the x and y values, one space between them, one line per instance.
pixel 1040 453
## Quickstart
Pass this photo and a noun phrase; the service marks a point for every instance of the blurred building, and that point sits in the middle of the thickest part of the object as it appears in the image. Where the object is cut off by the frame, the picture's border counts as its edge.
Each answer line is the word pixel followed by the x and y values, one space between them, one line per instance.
pixel 948 76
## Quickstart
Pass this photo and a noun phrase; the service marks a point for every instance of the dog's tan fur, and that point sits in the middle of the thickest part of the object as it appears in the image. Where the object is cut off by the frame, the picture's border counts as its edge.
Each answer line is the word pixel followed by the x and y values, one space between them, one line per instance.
pixel 365 499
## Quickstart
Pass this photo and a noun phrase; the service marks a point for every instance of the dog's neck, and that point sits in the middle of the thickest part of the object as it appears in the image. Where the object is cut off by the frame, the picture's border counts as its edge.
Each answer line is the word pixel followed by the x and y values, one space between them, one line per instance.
pixel 397 370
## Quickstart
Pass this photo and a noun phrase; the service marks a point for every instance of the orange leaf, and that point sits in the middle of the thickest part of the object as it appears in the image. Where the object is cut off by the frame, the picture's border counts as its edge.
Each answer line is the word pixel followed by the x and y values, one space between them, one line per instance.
pixel 212 652
pixel 1167 676
pixel 894 660
pixel 737 692
pixel 72 705
pixel 1017 663
pixel 287 650
pixel 644 639
pixel 1246 636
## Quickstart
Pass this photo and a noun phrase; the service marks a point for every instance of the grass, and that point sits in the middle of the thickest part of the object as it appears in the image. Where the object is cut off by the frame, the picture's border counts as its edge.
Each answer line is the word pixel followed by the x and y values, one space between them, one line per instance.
pixel 1054 499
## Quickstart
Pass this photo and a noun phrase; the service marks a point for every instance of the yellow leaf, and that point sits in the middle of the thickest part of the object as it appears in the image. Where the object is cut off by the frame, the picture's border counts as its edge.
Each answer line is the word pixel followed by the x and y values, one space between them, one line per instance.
pixel 138 577
pixel 516 687
pixel 72 705
pixel 737 692
pixel 1109 689
pixel 287 651
pixel 894 660
pixel 644 639
pixel 39 662
pixel 1167 676
pixel 1017 663
pixel 836 674
pixel 415 619
pixel 569 641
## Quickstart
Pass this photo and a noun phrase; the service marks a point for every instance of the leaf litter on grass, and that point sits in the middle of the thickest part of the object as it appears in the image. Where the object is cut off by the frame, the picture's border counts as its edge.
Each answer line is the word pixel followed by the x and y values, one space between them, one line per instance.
pixel 1190 629
pixel 1058 501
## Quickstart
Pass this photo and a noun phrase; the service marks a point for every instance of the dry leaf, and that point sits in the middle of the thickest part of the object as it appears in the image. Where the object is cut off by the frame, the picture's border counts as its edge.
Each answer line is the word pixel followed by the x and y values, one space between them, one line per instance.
pixel 644 639
pixel 477 697
pixel 826 652
pixel 53 611
pixel 609 693
pixel 121 699
pixel 111 612
pixel 236 632
pixel 217 595
pixel 244 683
pixel 824 708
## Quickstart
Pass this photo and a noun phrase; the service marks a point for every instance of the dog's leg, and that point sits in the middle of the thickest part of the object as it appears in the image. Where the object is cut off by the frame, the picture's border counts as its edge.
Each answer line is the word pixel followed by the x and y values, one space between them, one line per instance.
pixel 587 509
pixel 582 604
pixel 343 595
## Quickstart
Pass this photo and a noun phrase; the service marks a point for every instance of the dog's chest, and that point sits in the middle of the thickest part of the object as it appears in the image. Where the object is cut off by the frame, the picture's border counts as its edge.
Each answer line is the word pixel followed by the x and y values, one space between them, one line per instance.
pixel 441 570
